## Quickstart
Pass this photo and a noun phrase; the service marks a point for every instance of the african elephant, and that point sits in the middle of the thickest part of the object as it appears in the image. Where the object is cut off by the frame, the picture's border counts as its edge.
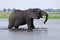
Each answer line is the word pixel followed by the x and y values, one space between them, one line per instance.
pixel 21 17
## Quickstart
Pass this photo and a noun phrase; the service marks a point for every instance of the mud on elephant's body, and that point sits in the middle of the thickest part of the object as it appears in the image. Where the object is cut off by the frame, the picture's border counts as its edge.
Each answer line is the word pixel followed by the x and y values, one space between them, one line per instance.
pixel 21 17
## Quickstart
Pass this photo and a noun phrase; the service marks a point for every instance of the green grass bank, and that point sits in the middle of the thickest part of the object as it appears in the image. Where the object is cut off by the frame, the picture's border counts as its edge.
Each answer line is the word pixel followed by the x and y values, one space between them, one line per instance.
pixel 52 15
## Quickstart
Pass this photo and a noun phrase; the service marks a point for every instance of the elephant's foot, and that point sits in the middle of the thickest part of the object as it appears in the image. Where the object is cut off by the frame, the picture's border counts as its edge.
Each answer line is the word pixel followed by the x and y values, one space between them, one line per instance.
pixel 16 26
pixel 9 27
pixel 33 27
pixel 30 28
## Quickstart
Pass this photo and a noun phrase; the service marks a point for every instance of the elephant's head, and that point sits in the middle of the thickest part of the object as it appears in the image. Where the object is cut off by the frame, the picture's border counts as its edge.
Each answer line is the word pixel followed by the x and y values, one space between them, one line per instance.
pixel 43 13
pixel 37 13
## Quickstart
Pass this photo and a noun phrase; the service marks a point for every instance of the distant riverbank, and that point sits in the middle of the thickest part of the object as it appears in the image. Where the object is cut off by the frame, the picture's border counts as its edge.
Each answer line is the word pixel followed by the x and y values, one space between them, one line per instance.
pixel 52 15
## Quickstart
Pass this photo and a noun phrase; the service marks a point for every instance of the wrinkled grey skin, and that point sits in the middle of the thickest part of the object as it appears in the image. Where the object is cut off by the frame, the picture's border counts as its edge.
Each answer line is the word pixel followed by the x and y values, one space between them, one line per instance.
pixel 21 17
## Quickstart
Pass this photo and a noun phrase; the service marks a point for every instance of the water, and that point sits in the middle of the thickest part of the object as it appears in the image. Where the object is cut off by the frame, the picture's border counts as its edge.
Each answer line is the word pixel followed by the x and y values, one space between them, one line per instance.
pixel 48 31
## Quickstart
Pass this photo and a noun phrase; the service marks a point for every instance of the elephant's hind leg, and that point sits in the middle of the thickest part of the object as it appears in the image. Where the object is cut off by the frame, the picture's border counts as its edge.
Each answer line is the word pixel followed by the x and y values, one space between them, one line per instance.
pixel 11 24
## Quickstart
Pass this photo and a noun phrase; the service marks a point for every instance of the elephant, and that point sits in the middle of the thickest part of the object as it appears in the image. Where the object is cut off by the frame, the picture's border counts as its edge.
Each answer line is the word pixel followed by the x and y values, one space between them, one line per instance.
pixel 21 17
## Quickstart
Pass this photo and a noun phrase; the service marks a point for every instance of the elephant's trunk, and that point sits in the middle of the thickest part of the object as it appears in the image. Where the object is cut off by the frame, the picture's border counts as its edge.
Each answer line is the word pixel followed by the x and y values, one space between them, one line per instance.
pixel 46 18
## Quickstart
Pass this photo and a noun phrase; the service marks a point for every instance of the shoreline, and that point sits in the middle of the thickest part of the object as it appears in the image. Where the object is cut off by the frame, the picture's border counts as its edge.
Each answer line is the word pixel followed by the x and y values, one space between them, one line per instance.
pixel 52 15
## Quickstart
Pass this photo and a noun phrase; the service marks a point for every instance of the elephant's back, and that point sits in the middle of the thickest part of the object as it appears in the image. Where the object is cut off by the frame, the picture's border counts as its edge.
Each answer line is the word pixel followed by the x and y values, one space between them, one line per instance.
pixel 17 10
pixel 18 13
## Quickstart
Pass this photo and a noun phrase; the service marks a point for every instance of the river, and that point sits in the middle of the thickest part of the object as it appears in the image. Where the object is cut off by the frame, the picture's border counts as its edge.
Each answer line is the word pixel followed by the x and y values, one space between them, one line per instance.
pixel 48 31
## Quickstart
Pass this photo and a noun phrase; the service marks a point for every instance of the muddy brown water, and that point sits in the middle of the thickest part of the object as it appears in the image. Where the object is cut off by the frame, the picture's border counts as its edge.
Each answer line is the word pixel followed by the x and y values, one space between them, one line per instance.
pixel 48 31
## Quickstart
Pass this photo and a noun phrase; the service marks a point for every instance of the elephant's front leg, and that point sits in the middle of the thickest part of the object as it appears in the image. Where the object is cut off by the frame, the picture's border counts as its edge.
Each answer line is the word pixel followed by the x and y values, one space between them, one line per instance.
pixel 30 23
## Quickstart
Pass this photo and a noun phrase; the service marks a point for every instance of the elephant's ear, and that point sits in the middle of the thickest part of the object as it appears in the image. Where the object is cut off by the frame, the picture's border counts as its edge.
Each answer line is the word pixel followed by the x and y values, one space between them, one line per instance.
pixel 31 14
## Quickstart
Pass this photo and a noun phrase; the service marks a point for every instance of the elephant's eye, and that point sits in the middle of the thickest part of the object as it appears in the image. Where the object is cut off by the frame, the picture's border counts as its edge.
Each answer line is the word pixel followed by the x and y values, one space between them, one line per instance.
pixel 39 13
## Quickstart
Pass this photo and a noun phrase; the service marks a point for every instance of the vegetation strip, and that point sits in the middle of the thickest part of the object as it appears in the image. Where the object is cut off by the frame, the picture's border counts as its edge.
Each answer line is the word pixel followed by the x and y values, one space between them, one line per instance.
pixel 6 15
